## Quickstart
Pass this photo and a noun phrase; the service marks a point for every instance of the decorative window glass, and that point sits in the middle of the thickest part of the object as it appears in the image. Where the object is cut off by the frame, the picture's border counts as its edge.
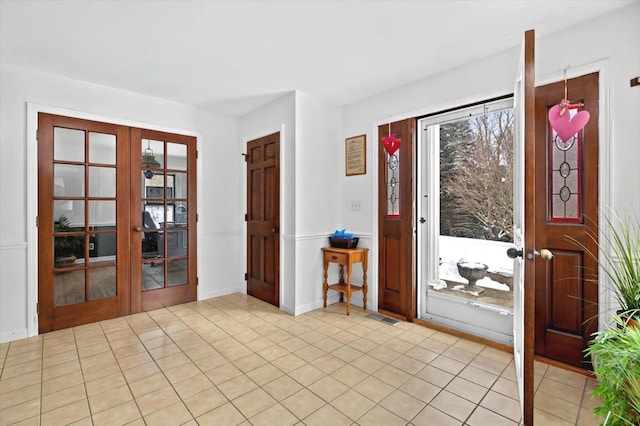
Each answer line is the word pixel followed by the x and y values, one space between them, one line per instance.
pixel 565 176
pixel 393 184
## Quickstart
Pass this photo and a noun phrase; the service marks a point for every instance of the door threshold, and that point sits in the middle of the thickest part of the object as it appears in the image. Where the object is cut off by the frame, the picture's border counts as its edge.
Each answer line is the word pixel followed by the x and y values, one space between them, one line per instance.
pixel 462 334
pixel 564 366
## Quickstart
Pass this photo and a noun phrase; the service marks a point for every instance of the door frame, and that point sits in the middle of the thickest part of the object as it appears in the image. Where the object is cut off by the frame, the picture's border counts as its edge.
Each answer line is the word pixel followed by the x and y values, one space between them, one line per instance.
pixel 605 132
pixel 33 109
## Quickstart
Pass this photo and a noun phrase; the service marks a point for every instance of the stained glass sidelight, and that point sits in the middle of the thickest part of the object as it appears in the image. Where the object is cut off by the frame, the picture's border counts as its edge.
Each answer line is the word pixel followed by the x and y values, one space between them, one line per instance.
pixel 565 176
pixel 393 184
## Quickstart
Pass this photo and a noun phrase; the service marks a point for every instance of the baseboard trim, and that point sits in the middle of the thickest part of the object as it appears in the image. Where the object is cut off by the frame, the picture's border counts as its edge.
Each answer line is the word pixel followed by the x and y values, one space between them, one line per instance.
pixel 564 366
pixel 14 335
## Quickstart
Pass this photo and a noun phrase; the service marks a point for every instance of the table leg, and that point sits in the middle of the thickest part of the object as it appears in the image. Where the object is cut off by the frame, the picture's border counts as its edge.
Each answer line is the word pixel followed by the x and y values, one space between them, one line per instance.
pixel 364 280
pixel 341 281
pixel 349 267
pixel 325 285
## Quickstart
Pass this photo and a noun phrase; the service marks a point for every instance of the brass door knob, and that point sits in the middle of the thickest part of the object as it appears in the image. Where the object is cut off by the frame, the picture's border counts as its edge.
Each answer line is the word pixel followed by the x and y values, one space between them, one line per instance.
pixel 138 229
pixel 545 254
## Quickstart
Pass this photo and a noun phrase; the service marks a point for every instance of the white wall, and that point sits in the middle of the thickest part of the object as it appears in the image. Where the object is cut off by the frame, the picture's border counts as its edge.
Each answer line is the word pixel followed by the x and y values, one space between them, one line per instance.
pixel 319 167
pixel 21 86
pixel 613 39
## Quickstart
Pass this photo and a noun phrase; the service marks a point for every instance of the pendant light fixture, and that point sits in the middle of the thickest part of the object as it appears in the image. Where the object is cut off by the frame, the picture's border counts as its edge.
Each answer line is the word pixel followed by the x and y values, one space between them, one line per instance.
pixel 149 161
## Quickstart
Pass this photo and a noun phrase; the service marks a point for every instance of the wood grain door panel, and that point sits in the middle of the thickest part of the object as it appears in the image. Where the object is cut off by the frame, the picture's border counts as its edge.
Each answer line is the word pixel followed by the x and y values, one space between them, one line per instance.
pixel 566 288
pixel 263 218
pixel 396 284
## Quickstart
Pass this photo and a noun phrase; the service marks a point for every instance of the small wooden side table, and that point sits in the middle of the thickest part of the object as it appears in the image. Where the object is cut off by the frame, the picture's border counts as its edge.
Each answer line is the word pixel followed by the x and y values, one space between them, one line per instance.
pixel 345 257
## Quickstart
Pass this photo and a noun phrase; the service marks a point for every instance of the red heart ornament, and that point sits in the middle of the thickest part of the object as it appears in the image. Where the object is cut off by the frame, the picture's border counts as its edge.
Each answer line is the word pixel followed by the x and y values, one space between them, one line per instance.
pixel 565 125
pixel 391 144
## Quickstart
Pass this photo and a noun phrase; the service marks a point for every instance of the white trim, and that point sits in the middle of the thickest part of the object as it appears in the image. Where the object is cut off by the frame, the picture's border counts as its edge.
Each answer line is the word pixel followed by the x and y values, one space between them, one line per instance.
pixel 606 297
pixel 32 190
pixel 17 245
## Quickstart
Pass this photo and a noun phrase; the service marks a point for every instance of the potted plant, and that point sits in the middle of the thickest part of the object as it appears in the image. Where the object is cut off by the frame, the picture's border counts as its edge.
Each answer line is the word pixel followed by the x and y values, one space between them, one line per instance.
pixel 65 247
pixel 620 261
pixel 616 357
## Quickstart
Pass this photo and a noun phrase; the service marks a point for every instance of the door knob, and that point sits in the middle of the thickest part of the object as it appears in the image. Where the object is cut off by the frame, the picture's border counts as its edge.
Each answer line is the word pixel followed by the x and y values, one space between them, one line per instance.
pixel 138 229
pixel 422 220
pixel 513 252
pixel 544 254
pixel 275 229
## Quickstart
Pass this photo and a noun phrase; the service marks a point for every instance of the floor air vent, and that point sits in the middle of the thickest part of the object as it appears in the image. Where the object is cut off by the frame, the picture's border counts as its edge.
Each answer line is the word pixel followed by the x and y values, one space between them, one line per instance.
pixel 383 319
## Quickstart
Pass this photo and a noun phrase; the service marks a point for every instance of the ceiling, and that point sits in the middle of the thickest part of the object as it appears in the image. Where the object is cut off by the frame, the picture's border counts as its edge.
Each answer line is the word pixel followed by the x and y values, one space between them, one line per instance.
pixel 238 55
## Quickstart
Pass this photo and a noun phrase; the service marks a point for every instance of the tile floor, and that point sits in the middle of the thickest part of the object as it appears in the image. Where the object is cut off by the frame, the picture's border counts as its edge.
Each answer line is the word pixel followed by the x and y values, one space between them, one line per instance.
pixel 236 360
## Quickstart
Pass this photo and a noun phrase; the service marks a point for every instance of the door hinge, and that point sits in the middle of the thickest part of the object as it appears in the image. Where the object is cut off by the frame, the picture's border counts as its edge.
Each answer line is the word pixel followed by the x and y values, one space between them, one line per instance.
pixel 37 221
pixel 37 134
pixel 197 217
pixel 38 308
pixel 245 157
pixel 197 281
pixel 246 276
pixel 196 154
pixel 246 217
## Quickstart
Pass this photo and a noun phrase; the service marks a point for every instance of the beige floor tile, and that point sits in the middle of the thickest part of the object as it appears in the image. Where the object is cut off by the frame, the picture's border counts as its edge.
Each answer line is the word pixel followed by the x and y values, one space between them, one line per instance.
pixel 392 375
pixel 17 382
pixel 373 388
pixel 384 354
pixel 223 373
pixel 542 418
pixel 556 407
pixel 307 374
pixel 225 414
pixel 420 389
pixel 421 354
pixel 447 364
pixel 402 404
pixel 21 411
pixel 586 417
pixel 272 353
pixel 506 407
pixel 567 377
pixel 192 385
pixel 327 415
pixel 21 395
pixel 249 362
pixel 63 397
pixel 182 372
pixel 282 387
pixel 349 375
pixel 453 405
pixel 109 399
pixel 328 363
pixel 118 415
pixel 61 382
pixel 105 383
pixel 140 372
pixel 430 416
pixel 303 403
pixel 265 374
pixel 148 384
pixel 157 400
pixel 288 363
pixel 482 417
pixel 379 416
pixel 19 369
pixel 90 350
pixel 561 390
pixel 61 369
pixel 328 388
pixel 202 402
pixel 466 389
pixel 174 414
pixel 506 387
pixel 164 351
pixel 407 364
pixel 309 353
pixel 237 386
pixel 253 402
pixel 353 404
pixel 434 345
pixel 67 413
pixel 134 360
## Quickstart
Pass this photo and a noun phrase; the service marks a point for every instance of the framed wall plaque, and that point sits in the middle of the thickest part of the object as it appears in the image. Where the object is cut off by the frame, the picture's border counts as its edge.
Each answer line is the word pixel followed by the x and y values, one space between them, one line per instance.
pixel 356 155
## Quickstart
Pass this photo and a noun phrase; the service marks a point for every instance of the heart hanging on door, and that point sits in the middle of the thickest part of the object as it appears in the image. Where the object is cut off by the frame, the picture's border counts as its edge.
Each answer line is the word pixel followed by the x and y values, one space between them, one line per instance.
pixel 562 122
pixel 391 143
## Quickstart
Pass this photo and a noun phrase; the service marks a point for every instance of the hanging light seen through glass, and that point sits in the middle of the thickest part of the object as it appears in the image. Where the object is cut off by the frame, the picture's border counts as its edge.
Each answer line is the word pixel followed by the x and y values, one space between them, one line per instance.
pixel 149 161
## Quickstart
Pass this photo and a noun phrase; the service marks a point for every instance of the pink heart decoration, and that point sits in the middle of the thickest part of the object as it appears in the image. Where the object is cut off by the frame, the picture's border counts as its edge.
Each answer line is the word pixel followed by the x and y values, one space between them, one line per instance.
pixel 391 144
pixel 565 125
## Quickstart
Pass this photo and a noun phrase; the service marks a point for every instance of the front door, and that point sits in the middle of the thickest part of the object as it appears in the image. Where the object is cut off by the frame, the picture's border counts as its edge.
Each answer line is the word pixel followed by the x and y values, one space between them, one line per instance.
pixel 566 210
pixel 396 286
pixel 83 229
pixel 163 219
pixel 263 218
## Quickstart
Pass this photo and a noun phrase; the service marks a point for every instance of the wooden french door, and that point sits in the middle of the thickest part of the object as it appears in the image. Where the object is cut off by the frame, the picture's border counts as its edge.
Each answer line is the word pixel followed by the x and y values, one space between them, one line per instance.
pixel 567 207
pixel 396 285
pixel 83 233
pixel 93 261
pixel 263 218
pixel 163 219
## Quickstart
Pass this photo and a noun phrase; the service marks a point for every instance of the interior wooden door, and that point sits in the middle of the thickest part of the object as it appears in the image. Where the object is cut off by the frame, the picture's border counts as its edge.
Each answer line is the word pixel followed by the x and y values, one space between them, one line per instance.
pixel 263 218
pixel 163 219
pixel 396 284
pixel 567 207
pixel 83 230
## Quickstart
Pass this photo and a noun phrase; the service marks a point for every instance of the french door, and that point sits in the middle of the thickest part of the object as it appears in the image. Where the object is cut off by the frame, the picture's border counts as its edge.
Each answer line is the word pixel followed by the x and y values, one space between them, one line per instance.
pixel 91 182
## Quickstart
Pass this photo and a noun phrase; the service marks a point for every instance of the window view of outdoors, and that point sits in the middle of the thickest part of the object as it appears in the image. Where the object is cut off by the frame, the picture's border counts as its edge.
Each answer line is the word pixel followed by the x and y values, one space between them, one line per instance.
pixel 476 208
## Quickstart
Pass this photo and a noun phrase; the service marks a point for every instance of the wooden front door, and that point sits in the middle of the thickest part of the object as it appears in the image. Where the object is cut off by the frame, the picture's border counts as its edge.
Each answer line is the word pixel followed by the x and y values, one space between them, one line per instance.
pixel 566 208
pixel 263 218
pixel 83 230
pixel 396 285
pixel 163 219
